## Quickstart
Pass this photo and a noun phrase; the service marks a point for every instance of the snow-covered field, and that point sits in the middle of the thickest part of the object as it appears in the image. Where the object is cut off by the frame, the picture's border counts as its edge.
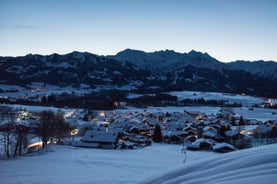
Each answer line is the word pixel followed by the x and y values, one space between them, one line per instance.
pixel 66 164
pixel 231 98
pixel 260 114
pixel 256 166
pixel 40 90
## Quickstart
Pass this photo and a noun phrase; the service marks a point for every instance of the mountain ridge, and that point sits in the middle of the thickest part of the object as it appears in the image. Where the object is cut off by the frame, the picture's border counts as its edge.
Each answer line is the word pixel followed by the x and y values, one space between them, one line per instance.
pixel 165 70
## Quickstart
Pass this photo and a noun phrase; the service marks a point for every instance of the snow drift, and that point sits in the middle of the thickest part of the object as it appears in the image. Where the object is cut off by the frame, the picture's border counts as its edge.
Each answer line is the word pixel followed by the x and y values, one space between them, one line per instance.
pixel 255 165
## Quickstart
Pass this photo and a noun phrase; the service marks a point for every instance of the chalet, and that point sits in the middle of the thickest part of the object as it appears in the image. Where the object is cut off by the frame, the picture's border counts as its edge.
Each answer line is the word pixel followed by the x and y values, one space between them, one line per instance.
pixel 253 122
pixel 204 144
pixel 190 130
pixel 139 140
pixel 267 130
pixel 190 138
pixel 172 138
pixel 213 136
pixel 210 129
pixel 151 121
pixel 98 139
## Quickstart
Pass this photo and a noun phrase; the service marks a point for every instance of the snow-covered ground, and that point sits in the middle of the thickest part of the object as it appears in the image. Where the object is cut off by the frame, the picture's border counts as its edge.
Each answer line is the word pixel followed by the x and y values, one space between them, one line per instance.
pixel 31 108
pixel 256 165
pixel 37 89
pixel 66 164
pixel 260 114
pixel 231 98
pixel 245 100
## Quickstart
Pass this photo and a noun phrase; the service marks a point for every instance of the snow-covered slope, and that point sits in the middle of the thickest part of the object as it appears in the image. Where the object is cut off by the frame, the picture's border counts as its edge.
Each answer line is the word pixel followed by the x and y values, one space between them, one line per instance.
pixel 256 165
pixel 266 69
pixel 71 165
pixel 200 60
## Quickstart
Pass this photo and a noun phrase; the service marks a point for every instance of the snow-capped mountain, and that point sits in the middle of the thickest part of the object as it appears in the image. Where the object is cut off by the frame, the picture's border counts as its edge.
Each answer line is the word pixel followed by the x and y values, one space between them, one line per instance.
pixel 200 60
pixel 168 59
pixel 71 69
pixel 159 60
pixel 266 69
pixel 137 70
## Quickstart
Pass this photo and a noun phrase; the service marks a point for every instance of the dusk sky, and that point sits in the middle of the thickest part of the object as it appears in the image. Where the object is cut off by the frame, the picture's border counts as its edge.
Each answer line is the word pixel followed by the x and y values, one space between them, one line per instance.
pixel 226 29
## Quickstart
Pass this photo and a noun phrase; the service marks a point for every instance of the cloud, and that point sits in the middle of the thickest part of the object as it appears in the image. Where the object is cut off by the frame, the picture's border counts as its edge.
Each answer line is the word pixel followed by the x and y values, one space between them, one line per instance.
pixel 16 27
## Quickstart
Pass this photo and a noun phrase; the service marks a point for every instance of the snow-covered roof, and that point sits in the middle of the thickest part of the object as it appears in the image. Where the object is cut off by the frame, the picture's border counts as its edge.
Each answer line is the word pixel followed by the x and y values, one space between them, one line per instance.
pixel 201 140
pixel 100 136
pixel 209 128
pixel 264 128
pixel 231 133
pixel 152 121
pixel 223 145
pixel 209 134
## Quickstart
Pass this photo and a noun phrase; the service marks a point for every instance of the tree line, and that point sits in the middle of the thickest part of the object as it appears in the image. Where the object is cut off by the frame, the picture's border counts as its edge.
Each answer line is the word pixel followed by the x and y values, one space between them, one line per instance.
pixel 202 101
pixel 49 127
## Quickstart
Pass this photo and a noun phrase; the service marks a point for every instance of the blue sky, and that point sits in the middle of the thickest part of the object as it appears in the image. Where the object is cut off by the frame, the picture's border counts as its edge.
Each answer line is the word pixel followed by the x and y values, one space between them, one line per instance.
pixel 226 29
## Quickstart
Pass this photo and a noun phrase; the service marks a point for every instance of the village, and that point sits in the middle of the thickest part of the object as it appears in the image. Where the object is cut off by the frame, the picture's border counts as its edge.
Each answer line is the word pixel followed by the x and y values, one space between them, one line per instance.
pixel 222 132
pixel 131 128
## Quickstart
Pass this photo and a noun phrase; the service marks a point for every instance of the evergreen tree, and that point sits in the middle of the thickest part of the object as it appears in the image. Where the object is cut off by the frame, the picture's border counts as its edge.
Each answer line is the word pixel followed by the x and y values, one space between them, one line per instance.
pixel 241 125
pixel 241 121
pixel 157 135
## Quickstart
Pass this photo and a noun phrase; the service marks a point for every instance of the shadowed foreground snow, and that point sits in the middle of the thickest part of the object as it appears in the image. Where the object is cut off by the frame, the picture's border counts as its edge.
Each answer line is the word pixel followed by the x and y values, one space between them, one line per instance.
pixel 66 164
pixel 256 166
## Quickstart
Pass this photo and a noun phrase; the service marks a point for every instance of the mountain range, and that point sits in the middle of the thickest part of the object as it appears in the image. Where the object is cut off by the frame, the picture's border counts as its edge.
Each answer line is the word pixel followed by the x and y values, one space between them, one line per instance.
pixel 165 70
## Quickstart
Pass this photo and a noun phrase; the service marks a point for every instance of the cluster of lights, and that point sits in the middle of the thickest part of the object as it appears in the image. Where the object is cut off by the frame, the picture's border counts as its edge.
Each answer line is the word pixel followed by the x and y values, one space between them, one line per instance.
pixel 245 132
pixel 74 132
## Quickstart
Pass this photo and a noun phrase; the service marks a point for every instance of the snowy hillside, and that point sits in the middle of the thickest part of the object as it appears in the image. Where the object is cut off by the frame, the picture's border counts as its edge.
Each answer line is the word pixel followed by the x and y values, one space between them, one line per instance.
pixel 256 165
pixel 66 164
pixel 266 69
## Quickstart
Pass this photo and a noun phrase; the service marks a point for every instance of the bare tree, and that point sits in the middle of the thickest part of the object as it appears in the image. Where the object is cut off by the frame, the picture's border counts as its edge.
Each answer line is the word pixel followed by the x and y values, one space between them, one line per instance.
pixel 21 133
pixel 62 128
pixel 227 113
pixel 52 127
pixel 44 128
pixel 7 127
